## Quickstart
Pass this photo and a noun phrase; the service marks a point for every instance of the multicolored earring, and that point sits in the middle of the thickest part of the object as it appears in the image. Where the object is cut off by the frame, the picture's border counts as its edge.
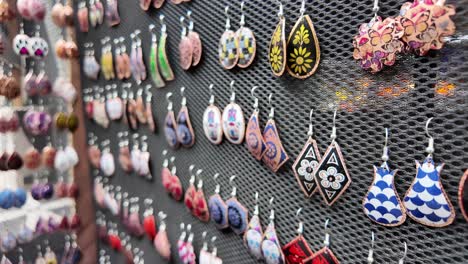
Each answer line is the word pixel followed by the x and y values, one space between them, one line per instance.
pixel 200 209
pixel 212 122
pixel 303 47
pixel 426 201
pixel 253 237
pixel 325 255
pixel 217 206
pixel 238 215
pixel 277 48
pixel 185 134
pixel 271 247
pixel 382 203
pixel 331 175
pixel 197 47
pixel 154 68
pixel 255 143
pixel 307 162
pixel 298 249
pixel 275 155
pixel 246 43
pixel 185 47
pixel 463 195
pixel 163 60
pixel 228 52
pixel 170 125
pixel 233 120
pixel 191 190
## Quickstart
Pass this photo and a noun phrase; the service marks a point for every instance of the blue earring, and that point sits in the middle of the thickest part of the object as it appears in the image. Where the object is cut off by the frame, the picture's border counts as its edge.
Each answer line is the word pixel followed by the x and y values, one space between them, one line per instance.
pixel 185 134
pixel 170 125
pixel 238 215
pixel 218 208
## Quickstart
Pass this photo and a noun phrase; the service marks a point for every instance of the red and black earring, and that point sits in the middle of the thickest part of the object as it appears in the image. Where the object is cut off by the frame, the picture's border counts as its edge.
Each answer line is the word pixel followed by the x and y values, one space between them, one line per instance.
pixel 298 249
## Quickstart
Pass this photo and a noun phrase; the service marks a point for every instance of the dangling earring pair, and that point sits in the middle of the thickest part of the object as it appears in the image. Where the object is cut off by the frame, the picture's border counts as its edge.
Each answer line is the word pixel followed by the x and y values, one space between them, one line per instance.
pixel 137 64
pixel 190 45
pixel 301 54
pixel 370 258
pixel 122 60
pixel 170 180
pixel 185 247
pixel 206 257
pixel 180 132
pixel 236 48
pixel 160 68
pixel 194 198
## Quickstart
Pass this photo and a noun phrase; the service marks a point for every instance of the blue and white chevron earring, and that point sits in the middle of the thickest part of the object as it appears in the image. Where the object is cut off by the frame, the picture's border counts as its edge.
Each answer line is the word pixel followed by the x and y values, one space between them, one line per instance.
pixel 426 201
pixel 382 204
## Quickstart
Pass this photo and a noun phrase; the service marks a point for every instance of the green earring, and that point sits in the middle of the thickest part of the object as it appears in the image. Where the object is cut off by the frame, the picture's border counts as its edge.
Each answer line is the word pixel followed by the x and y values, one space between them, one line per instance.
pixel 163 61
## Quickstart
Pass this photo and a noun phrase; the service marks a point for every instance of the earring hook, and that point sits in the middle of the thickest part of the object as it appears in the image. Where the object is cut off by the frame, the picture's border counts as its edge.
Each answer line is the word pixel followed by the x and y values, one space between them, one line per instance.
pixel 228 19
pixel 333 134
pixel 376 8
pixel 272 211
pixel 200 178
pixel 163 25
pixel 281 11
pixel 326 242
pixel 302 10
pixel 385 156
pixel 256 208
pixel 191 23
pixel 310 133
pixel 255 105
pixel 233 92
pixel 234 188
pixel 370 258
pixel 218 186
pixel 300 229
pixel 184 99
pixel 430 147
pixel 183 32
pixel 169 101
pixel 242 21
pixel 272 109
pixel 402 260
pixel 212 98
pixel 192 176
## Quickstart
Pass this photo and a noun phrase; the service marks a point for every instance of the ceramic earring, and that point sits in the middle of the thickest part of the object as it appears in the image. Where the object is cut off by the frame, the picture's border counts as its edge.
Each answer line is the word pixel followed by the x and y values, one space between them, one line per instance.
pixel 246 43
pixel 275 155
pixel 255 143
pixel 185 47
pixel 463 195
pixel 185 248
pixel 253 237
pixel 228 52
pixel 298 249
pixel 135 154
pixel 271 247
pixel 161 242
pixel 303 49
pixel 426 201
pixel 140 107
pixel 197 48
pixel 324 255
pixel 218 208
pixel 163 60
pixel 112 13
pixel 177 191
pixel 233 120
pixel 149 109
pixel 201 210
pixel 331 175
pixel 190 257
pixel 38 46
pixel 140 61
pixel 119 63
pixel 307 162
pixel 277 49
pixel 382 203
pixel 32 157
pixel 149 221
pixel 212 123
pixel 170 125
pixel 21 43
pixel 154 67
pixel 185 134
pixel 191 191
pixel 238 215
pixel 131 111
pixel 82 16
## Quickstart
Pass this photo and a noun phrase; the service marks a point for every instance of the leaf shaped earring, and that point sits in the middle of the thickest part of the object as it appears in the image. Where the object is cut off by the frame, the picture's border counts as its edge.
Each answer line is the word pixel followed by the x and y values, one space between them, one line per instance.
pixel 275 155
pixel 253 237
pixel 331 175
pixel 382 203
pixel 170 125
pixel 271 247
pixel 277 48
pixel 246 43
pixel 197 48
pixel 298 249
pixel 306 163
pixel 212 123
pixel 185 134
pixel 303 47
pixel 238 215
pixel 185 47
pixel 325 255
pixel 233 120
pixel 154 68
pixel 463 195
pixel 426 201
pixel 255 143
pixel 228 52
pixel 163 60
pixel 218 208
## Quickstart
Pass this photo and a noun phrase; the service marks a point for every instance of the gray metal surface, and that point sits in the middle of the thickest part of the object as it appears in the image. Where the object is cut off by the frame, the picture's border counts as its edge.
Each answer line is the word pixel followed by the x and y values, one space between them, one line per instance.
pixel 402 98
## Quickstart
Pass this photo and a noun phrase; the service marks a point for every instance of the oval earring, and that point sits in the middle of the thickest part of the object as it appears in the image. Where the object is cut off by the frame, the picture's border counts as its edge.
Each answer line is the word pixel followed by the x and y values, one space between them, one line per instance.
pixel 254 235
pixel 271 247
pixel 228 53
pixel 185 134
pixel 238 215
pixel 217 206
pixel 233 120
pixel 170 125
pixel 277 49
pixel 212 122
pixel 255 143
pixel 185 47
pixel 246 43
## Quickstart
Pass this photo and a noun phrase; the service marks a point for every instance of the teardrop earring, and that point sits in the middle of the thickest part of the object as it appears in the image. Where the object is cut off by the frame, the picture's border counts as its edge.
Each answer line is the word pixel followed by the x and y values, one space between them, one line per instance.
pixel 246 43
pixel 255 143
pixel 154 68
pixel 271 247
pixel 228 52
pixel 277 48
pixel 298 249
pixel 233 120
pixel 382 203
pixel 275 155
pixel 238 215
pixel 426 201
pixel 197 48
pixel 331 175
pixel 185 47
pixel 325 255
pixel 303 49
pixel 191 190
pixel 306 163
pixel 177 191
pixel 185 134
pixel 200 205
pixel 253 237
pixel 170 125
pixel 163 60
pixel 217 206
pixel 212 122
pixel 161 242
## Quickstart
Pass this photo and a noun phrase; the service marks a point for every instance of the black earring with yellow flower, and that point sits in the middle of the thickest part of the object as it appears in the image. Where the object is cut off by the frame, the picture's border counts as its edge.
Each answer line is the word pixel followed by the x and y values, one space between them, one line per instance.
pixel 303 48
pixel 277 52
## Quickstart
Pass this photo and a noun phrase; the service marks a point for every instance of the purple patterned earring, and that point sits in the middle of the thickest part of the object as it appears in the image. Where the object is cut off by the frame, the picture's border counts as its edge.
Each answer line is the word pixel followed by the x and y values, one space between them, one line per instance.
pixel 218 208
pixel 233 120
pixel 275 155
pixel 185 134
pixel 170 125
pixel 238 215
pixel 212 122
pixel 271 247
pixel 255 143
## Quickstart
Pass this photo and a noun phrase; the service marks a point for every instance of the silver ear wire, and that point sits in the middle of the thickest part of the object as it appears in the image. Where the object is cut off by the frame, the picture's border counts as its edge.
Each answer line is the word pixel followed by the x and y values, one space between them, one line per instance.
pixel 402 260
pixel 300 228
pixel 326 241
pixel 376 8
pixel 255 105
pixel 385 157
pixel 200 179
pixel 228 19
pixel 370 258
pixel 280 12
pixel 333 134
pixel 183 31
pixel 234 188
pixel 191 23
pixel 272 109
pixel 169 102
pixel 256 209
pixel 302 10
pixel 233 92
pixel 184 99
pixel 310 133
pixel 242 21
pixel 192 175
pixel 218 186
pixel 430 146
pixel 212 97
pixel 272 210
pixel 163 25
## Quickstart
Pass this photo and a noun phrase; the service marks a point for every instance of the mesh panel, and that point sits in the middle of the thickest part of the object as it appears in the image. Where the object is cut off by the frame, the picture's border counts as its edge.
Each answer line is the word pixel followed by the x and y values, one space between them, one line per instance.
pixel 402 97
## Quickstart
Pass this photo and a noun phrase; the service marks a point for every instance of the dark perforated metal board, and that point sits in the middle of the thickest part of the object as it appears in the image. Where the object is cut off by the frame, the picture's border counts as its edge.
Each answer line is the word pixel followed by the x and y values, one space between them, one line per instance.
pixel 402 98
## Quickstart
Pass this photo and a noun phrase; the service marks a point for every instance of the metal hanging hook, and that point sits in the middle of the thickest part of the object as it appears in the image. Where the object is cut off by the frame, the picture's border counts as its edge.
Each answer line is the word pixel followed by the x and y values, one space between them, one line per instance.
pixel 255 105
pixel 310 133
pixel 163 25
pixel 191 23
pixel 234 188
pixel 326 241
pixel 169 101
pixel 376 8
pixel 385 156
pixel 302 10
pixel 256 208
pixel 228 19
pixel 272 109
pixel 272 210
pixel 200 178
pixel 333 134
pixel 242 21
pixel 430 147
pixel 281 11
pixel 183 31
pixel 402 260
pixel 233 91
pixel 218 186
pixel 212 97
pixel 184 99
pixel 300 228
pixel 370 257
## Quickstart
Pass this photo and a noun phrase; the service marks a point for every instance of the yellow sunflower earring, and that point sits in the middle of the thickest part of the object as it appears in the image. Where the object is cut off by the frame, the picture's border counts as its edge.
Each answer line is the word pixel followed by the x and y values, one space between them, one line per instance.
pixel 303 47
pixel 277 52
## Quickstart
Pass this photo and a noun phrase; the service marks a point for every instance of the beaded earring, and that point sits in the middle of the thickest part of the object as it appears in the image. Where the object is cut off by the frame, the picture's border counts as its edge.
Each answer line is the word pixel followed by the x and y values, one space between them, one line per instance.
pixel 217 206
pixel 233 120
pixel 298 249
pixel 253 237
pixel 212 122
pixel 254 138
pixel 238 215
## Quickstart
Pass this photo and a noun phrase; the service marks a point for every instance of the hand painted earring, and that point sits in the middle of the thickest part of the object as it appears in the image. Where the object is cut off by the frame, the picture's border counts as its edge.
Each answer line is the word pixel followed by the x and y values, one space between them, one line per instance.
pixel 177 191
pixel 140 62
pixel 131 111
pixel 185 248
pixel 37 45
pixel 271 247
pixel 112 13
pixel 212 123
pixel 331 175
pixel 246 43
pixel 233 120
pixel 200 210
pixel 218 208
pixel 144 4
pixel 170 125
pixel 166 173
pixel 325 255
pixel 114 105
pixel 161 242
pixel 238 215
pixel 96 13
pixel 255 143
pixel 135 154
pixel 140 107
pixel 214 253
pixel 426 201
pixel 119 63
pixel 253 237
pixel 191 191
pixel 185 47
pixel 149 221
pixel 154 67
pixel 185 134
pixel 307 162
pixel 228 52
pixel 163 60
pixel 275 155
pixel 197 47
pixel 463 195
pixel 277 49
pixel 298 249
pixel 82 16
pixel 21 43
pixel 149 109
pixel 382 203
pixel 303 47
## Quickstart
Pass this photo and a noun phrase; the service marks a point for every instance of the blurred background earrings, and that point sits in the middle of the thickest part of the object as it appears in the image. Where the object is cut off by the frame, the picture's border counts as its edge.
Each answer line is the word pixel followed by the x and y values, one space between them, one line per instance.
pixel 217 206
pixel 246 43
pixel 255 143
pixel 185 134
pixel 170 125
pixel 185 47
pixel 163 60
pixel 277 48
pixel 212 123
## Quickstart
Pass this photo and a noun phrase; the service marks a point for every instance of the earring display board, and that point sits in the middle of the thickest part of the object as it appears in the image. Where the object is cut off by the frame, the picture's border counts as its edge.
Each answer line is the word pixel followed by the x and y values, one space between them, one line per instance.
pixel 401 98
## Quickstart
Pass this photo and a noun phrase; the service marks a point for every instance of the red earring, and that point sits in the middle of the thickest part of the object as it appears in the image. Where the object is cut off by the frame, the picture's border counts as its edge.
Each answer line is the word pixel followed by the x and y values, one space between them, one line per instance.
pixel 325 255
pixel 190 192
pixel 176 186
pixel 166 173
pixel 161 242
pixel 298 249
pixel 201 207
pixel 149 223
